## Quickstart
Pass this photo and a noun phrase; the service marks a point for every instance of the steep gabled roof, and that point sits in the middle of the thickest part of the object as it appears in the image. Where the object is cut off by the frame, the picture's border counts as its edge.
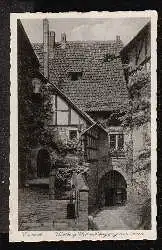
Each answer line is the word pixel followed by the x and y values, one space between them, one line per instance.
pixel 83 114
pixel 97 124
pixel 145 31
pixel 102 86
pixel 57 91
pixel 24 45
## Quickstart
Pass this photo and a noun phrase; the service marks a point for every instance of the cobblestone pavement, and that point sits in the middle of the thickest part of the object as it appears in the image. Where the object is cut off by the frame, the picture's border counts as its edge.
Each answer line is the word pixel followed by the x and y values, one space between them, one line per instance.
pixel 116 218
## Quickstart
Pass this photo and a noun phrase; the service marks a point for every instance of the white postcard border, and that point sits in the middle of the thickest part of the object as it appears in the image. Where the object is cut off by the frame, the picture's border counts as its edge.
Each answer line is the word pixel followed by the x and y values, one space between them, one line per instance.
pixel 37 236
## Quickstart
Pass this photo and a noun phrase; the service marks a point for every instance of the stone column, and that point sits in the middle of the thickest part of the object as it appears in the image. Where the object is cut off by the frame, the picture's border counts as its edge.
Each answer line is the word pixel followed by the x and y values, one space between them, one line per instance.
pixel 51 40
pixel 63 40
pixel 52 184
pixel 83 210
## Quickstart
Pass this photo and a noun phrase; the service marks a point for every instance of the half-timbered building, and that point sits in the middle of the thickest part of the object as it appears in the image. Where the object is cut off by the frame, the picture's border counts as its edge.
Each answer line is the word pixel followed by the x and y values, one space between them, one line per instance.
pixel 88 85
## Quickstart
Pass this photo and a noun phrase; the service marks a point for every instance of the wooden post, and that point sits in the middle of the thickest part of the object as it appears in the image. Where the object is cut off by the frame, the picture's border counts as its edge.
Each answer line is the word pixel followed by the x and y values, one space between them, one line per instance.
pixel 52 184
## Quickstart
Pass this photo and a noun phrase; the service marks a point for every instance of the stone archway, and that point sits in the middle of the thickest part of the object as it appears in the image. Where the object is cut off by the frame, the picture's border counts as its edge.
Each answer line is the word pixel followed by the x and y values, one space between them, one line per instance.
pixel 112 189
pixel 43 163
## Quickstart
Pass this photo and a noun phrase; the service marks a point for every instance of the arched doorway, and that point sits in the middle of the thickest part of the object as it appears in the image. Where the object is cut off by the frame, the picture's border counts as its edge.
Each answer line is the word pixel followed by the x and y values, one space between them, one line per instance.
pixel 112 189
pixel 43 163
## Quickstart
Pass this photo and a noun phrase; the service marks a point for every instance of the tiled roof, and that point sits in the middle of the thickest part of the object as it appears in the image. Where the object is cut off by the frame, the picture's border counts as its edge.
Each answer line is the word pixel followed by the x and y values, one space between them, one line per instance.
pixel 102 86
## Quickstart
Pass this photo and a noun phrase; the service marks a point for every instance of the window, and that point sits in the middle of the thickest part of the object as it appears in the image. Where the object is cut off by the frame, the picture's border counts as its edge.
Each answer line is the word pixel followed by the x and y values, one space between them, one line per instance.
pixel 116 141
pixel 36 83
pixel 74 117
pixel 120 141
pixel 112 141
pixel 62 118
pixel 60 111
pixel 61 104
pixel 72 134
pixel 75 75
pixel 91 145
pixel 36 98
pixel 63 114
pixel 109 57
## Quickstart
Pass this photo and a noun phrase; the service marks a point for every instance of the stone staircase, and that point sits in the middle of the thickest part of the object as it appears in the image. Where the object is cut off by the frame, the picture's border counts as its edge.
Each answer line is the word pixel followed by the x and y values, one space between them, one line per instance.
pixel 49 215
pixel 37 211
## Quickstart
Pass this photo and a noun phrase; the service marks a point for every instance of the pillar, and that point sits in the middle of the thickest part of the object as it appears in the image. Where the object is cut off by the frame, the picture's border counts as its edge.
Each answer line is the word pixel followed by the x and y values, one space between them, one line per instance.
pixel 83 210
pixel 51 40
pixel 52 184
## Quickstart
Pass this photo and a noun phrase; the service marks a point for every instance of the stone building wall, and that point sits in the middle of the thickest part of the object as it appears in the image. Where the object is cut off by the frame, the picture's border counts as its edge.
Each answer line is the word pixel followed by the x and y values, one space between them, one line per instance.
pixel 141 187
pixel 92 178
pixel 107 163
pixel 141 137
pixel 97 169
pixel 59 133
pixel 120 163
pixel 63 131
pixel 28 69
pixel 137 54
pixel 33 207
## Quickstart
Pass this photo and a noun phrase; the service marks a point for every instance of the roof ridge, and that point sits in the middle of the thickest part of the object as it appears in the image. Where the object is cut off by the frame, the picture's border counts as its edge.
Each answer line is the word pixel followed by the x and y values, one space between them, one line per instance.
pixel 90 41
pixel 83 41
pixel 69 100
pixel 102 87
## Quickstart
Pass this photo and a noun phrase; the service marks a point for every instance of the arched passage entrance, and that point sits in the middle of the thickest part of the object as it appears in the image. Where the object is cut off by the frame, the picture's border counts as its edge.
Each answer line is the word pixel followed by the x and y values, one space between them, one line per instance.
pixel 112 189
pixel 43 163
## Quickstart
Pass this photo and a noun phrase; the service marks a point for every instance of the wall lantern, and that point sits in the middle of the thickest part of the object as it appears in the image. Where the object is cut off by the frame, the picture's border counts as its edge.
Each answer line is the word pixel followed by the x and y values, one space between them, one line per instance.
pixel 36 83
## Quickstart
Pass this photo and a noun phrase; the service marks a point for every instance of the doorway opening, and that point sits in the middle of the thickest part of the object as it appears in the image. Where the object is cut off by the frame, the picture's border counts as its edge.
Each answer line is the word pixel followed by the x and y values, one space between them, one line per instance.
pixel 43 163
pixel 112 189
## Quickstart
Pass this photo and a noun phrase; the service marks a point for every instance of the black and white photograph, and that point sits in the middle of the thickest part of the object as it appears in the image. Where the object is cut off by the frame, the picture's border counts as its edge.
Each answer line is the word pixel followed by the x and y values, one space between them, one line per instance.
pixel 83 126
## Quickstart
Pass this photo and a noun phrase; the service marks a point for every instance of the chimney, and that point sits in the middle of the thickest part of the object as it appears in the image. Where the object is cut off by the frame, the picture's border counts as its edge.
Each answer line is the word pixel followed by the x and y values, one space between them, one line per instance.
pixel 45 47
pixel 117 38
pixel 63 40
pixel 51 40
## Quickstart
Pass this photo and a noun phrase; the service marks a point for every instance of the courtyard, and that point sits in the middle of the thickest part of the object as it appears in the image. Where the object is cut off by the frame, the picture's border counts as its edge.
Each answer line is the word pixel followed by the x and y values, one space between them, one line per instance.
pixel 115 218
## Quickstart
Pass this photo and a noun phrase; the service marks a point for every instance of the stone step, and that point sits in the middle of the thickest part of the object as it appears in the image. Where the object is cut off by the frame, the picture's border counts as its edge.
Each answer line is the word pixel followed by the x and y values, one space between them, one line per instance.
pixel 66 225
pixel 61 226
